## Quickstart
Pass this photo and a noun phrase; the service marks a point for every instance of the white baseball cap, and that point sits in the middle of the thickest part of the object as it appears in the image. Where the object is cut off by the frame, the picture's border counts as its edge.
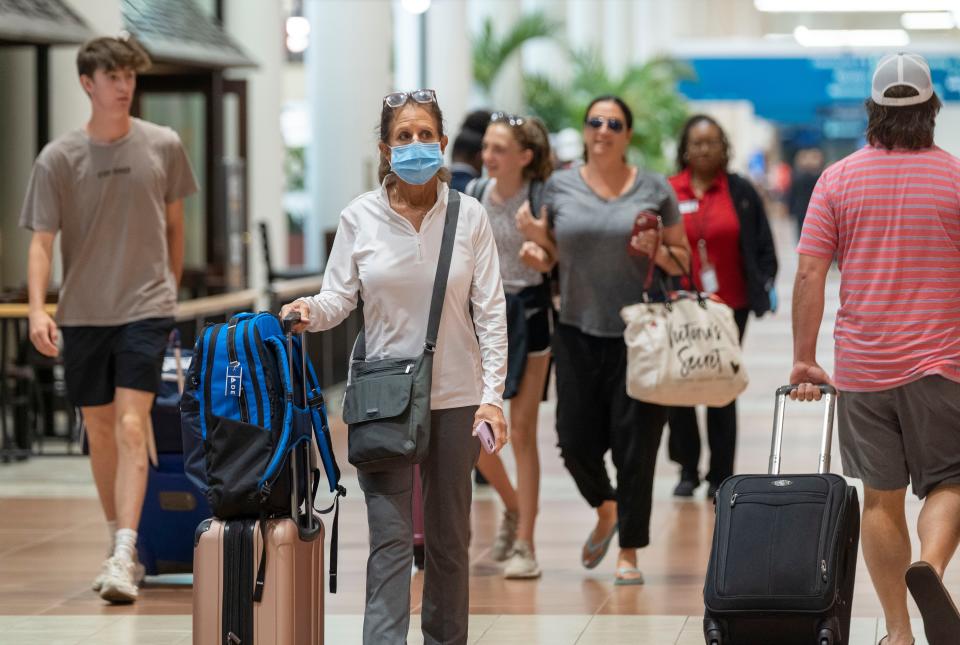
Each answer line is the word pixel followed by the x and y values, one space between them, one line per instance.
pixel 910 70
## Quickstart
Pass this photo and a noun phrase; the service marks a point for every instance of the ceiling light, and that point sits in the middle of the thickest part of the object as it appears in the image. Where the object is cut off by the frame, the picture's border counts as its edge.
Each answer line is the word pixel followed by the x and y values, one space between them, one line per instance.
pixel 928 20
pixel 851 37
pixel 848 6
pixel 415 6
pixel 298 34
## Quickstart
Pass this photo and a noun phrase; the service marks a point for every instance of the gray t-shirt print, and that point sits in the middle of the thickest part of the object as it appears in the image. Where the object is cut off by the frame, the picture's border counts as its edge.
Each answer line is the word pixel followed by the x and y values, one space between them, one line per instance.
pixel 108 201
pixel 598 277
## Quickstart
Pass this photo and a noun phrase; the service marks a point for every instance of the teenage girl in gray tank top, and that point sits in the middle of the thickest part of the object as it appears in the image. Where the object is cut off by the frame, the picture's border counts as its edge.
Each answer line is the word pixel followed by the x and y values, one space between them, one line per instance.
pixel 516 155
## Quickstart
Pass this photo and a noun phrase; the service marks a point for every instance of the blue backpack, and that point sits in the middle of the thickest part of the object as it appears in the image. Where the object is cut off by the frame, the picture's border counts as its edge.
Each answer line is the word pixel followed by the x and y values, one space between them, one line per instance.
pixel 242 416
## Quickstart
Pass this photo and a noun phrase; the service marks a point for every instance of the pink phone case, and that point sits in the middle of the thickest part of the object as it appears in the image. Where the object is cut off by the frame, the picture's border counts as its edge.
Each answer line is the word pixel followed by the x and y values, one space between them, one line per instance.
pixel 485 433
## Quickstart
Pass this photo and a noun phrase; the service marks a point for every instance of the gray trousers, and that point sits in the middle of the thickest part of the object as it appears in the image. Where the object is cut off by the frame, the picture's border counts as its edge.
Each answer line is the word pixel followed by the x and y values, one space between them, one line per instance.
pixel 447 494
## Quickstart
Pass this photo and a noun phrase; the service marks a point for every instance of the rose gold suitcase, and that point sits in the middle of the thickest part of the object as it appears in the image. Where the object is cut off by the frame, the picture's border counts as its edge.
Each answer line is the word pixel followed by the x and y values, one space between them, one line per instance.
pixel 248 593
pixel 227 556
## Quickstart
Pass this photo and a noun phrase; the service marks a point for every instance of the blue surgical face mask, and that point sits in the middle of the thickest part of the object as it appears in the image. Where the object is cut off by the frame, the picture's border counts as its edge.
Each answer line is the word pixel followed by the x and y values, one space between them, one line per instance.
pixel 415 163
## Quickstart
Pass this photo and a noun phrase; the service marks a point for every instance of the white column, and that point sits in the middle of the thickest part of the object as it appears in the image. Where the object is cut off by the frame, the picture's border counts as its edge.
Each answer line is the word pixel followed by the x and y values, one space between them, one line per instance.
pixel 348 72
pixel 584 23
pixel 260 27
pixel 407 42
pixel 449 62
pixel 545 55
pixel 652 29
pixel 616 35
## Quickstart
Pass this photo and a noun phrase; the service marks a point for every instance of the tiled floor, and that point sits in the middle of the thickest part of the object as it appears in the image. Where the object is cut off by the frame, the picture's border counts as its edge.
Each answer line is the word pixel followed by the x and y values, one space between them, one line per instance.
pixel 579 629
pixel 52 540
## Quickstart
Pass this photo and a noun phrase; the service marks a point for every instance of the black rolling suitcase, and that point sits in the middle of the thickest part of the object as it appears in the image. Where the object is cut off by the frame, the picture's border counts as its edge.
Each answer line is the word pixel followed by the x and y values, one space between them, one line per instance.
pixel 784 552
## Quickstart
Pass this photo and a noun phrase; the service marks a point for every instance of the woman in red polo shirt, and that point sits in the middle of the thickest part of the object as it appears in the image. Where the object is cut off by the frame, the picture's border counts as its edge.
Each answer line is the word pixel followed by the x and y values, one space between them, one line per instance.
pixel 733 258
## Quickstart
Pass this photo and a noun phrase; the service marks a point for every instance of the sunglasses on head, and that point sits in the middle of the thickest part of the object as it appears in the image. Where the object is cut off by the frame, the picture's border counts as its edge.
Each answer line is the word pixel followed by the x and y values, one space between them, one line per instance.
pixel 509 119
pixel 596 122
pixel 398 99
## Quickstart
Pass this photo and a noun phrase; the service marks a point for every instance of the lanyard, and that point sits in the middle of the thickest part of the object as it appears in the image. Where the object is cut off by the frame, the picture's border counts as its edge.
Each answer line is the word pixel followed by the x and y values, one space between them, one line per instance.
pixel 701 217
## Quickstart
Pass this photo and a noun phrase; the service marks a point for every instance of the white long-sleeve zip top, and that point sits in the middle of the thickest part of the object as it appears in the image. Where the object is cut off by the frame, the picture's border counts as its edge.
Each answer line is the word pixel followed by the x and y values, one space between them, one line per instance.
pixel 379 256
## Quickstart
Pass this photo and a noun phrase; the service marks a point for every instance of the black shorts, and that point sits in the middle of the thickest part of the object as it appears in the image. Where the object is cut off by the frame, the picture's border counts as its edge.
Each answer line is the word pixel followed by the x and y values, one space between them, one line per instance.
pixel 539 331
pixel 529 328
pixel 97 360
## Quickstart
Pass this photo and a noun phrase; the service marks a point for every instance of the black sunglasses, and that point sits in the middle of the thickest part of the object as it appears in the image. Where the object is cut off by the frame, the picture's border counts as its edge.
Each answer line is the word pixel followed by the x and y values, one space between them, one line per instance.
pixel 596 122
pixel 510 119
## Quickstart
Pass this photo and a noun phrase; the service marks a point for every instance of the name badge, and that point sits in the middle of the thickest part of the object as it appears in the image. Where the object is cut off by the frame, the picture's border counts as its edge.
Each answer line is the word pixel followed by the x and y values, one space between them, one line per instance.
pixel 689 206
pixel 708 280
pixel 234 379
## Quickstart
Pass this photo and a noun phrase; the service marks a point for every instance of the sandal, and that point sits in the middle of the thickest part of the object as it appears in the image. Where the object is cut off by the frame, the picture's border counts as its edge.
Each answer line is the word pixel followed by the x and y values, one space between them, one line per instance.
pixel 623 581
pixel 941 620
pixel 592 552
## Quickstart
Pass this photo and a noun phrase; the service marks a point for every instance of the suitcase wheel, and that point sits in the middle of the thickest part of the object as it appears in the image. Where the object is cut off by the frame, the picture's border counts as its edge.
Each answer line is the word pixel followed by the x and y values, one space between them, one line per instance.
pixel 418 556
pixel 712 632
pixel 826 637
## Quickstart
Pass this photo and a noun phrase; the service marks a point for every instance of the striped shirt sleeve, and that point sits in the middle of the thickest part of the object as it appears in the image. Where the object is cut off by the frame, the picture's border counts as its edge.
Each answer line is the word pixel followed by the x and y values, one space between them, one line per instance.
pixel 819 236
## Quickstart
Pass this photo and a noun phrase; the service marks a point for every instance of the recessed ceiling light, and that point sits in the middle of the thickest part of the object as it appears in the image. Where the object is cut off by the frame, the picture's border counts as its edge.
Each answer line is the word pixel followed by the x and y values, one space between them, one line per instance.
pixel 928 20
pixel 415 6
pixel 848 6
pixel 851 37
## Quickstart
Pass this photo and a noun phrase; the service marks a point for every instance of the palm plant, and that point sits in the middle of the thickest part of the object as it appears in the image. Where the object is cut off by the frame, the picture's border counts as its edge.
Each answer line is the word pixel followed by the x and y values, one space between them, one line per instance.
pixel 491 51
pixel 649 89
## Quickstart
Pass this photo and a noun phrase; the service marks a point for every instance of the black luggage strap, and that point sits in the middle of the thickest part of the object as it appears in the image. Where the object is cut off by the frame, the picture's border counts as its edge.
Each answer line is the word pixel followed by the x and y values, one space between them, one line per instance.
pixel 334 534
pixel 262 569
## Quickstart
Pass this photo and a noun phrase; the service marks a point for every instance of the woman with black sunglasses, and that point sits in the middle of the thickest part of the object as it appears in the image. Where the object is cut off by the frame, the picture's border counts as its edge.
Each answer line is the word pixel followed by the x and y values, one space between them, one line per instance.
pixel 592 209
pixel 387 249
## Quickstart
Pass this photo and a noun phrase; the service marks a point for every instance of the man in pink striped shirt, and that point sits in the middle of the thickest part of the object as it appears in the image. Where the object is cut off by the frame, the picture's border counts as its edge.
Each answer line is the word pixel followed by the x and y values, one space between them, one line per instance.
pixel 890 215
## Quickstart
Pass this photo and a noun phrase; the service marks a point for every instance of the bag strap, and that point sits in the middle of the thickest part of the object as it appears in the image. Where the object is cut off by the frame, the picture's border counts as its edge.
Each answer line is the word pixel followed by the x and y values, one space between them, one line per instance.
pixel 477 187
pixel 652 261
pixel 439 282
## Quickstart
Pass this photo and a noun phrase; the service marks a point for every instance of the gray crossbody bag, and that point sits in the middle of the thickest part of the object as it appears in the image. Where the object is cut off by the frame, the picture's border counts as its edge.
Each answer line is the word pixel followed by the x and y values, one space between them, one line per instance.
pixel 387 403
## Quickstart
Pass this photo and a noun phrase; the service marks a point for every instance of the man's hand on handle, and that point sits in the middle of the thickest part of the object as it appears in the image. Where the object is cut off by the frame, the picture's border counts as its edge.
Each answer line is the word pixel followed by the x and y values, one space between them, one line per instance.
pixel 809 376
pixel 300 307
pixel 44 333
pixel 494 416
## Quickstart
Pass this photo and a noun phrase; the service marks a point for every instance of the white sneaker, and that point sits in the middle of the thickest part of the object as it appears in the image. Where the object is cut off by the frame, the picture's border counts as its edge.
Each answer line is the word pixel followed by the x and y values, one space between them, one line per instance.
pixel 506 535
pixel 97 584
pixel 120 580
pixel 522 564
pixel 139 573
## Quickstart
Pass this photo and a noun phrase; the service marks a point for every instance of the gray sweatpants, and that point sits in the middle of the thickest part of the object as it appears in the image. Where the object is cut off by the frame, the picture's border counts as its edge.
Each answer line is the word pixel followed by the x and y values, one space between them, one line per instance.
pixel 447 494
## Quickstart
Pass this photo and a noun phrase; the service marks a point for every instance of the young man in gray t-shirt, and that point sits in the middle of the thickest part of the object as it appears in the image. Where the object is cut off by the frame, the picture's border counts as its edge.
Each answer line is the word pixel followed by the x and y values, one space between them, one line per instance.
pixel 114 191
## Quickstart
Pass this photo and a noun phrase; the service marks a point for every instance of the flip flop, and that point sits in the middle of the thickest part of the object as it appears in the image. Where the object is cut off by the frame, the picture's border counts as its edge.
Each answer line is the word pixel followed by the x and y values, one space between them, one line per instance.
pixel 592 552
pixel 624 571
pixel 941 620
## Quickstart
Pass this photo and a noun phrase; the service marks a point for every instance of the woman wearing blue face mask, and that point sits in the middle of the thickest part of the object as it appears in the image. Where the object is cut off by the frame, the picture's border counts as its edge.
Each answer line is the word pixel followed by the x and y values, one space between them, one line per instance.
pixel 387 249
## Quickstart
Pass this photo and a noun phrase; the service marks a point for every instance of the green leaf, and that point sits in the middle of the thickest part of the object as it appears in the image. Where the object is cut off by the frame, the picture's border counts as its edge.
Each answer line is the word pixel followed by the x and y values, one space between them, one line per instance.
pixel 649 89
pixel 491 52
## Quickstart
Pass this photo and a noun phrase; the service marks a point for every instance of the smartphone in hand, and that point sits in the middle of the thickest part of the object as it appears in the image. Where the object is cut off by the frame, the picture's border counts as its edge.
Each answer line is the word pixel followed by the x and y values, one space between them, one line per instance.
pixel 484 432
pixel 645 221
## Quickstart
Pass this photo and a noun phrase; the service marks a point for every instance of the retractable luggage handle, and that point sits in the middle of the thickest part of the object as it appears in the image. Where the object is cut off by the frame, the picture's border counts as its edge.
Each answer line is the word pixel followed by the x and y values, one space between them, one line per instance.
pixel 174 341
pixel 826 438
pixel 312 526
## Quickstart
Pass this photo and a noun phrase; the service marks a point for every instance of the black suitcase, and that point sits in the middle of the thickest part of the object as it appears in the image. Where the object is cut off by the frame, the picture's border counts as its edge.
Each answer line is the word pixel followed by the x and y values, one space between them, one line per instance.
pixel 784 552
